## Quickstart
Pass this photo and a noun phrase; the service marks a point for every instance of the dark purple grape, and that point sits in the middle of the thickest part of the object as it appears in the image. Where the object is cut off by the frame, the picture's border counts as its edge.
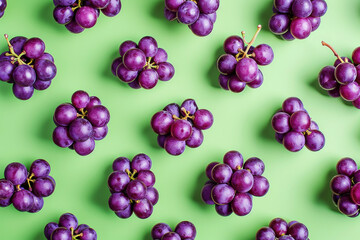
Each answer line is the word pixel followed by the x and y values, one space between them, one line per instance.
pixel 149 46
pixel 203 26
pixel 334 92
pixel 84 148
pixel 24 75
pixel 355 193
pixel 315 140
pixel 80 99
pixel 125 46
pixel 224 210
pixel 88 234
pixel 279 137
pixel 118 202
pixel 165 71
pixel 61 137
pixel 208 6
pixel 350 92
pixel 49 228
pixel 43 187
pixel 315 22
pixel 327 78
pixel 234 159
pixel 125 213
pixel 125 74
pixel 136 190
pixel 40 168
pixel 203 119
pixel 134 59
pixel 286 237
pixel 161 56
pixel 279 23
pixel 171 236
pixel 23 200
pixel 190 106
pixel 209 169
pixel 347 206
pixel 335 199
pixel 260 187
pixel 61 233
pixel 6 70
pixel 298 231
pixel 38 204
pixel 255 165
pixel 98 116
pixel 173 5
pixel 64 2
pixel 68 221
pixel 45 69
pixel 242 204
pixel 294 141
pixel 94 101
pixel 301 8
pixel 23 93
pixel 212 16
pixel 41 85
pixel 313 126
pixel 148 78
pixel 160 230
pixel 181 129
pixel 6 189
pixel 169 15
pixel 264 54
pixel 5 202
pixel 226 64
pixel 196 138
pixel 300 121
pixel 161 140
pixel 152 195
pixel 100 132
pixel 65 114
pixel 86 17
pixel 99 3
pixel 319 8
pixel 355 54
pixel 206 193
pixel 279 226
pixel 223 81
pixel 16 173
pixel 242 181
pixel 340 184
pixel 143 209
pixel 141 162
pixel 74 27
pixel 173 146
pixel 283 6
pixel 173 109
pixel 80 129
pixel 63 15
pixel 147 177
pixel 186 230
pixel 300 28
pixel 34 48
pixel 345 59
pixel 17 43
pixel 281 122
pixel 265 233
pixel 246 69
pixel 121 164
pixel 188 12
pixel 118 181
pixel 288 36
pixel 346 166
pixel 112 9
pixel 345 73
pixel 221 173
pixel 222 194
pixel 235 84
pixel 232 45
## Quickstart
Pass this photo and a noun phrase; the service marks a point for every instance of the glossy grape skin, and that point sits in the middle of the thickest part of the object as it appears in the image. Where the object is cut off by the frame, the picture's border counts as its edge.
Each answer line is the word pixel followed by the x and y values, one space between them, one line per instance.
pixel 112 9
pixel 23 93
pixel 161 140
pixel 98 116
pixel 173 5
pixel 224 210
pixel 141 162
pixel 143 209
pixel 118 202
pixel 260 187
pixel 160 56
pixel 223 81
pixel 246 69
pixel 281 122
pixel 5 202
pixel 196 138
pixel 186 230
pixel 319 8
pixel 181 129
pixel 148 45
pixel 340 184
pixel 152 195
pixel 288 36
pixel 136 190
pixel 242 181
pixel 279 137
pixel 203 26
pixel 345 73
pixel 173 109
pixel 6 189
pixel 171 236
pixel 327 78
pixel 265 233
pixel 86 17
pixel 264 54
pixel 41 85
pixel 161 122
pixel 80 99
pixel 315 141
pixel 279 23
pixel 23 200
pixel 300 121
pixel 74 27
pixel 169 15
pixel 61 233
pixel 160 230
pixel 49 228
pixel 279 226
pixel 68 220
pixel 301 8
pixel 17 43
pixel 347 206
pixel 283 6
pixel 255 165
pixel 208 6
pixel 356 103
pixel 212 17
pixel 298 231
pixel 346 166
pixel 222 194
pixel 100 132
pixel 99 3
pixel 300 28
pixel 147 177
pixel 356 56
pixel 125 46
pixel 315 22
pixel 165 71
pixel 80 129
pixel 84 148
pixel 234 159
pixel 125 74
pixel 355 193
pixel 24 75
pixel 134 59
pixel 221 173
pixel 189 105
pixel 188 12
pixel 294 141
pixel 226 64
pixel 38 204
pixel 16 173
pixel 6 70
pixel 88 234
pixel 209 169
pixel 34 47
pixel 148 78
pixel 206 194
pixel 65 114
pixel 203 119
pixel 232 44
pixel 335 93
pixel 63 15
pixel 118 181
pixel 121 164
pixel 350 92
pixel 43 187
pixel 61 137
pixel 173 146
pixel 242 204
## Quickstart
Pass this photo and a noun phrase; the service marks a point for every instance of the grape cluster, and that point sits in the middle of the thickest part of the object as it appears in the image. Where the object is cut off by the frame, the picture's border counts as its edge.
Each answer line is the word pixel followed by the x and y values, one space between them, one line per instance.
pixel 295 129
pixel 199 15
pixel 3 5
pixel 183 231
pixel 345 187
pixel 233 183
pixel 77 15
pixel 80 123
pixel 178 126
pixel 143 64
pixel 26 189
pixel 132 187
pixel 238 67
pixel 343 78
pixel 279 229
pixel 26 66
pixel 296 18
pixel 68 228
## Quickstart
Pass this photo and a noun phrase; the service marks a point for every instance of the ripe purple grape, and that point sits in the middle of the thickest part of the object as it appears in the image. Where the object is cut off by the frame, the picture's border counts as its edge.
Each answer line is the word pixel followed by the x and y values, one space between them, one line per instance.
pixel 188 12
pixel 112 9
pixel 327 78
pixel 118 202
pixel 281 122
pixel 255 165
pixel 226 64
pixel 301 8
pixel 279 226
pixel 34 48
pixel 298 231
pixel 208 6
pixel 203 26
pixel 300 121
pixel 16 173
pixel 319 8
pixel 143 209
pixel 6 189
pixel 234 159
pixel 160 230
pixel 23 200
pixel 222 194
pixel 265 233
pixel 221 173
pixel 346 166
pixel 340 184
pixel 186 230
pixel 232 45
pixel 242 181
pixel 242 204
pixel 279 23
pixel 300 28
pixel 314 140
pixel 149 46
pixel 283 6
pixel 294 141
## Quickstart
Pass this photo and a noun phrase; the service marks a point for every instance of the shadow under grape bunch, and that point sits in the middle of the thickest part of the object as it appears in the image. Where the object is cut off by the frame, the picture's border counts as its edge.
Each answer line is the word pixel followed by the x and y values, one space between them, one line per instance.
pixel 26 66
pixel 233 183
pixel 185 230
pixel 279 229
pixel 238 67
pixel 26 190
pixel 3 5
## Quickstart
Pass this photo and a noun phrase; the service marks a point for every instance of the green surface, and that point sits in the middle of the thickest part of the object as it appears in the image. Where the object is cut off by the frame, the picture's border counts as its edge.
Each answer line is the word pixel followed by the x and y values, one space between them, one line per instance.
pixel 298 181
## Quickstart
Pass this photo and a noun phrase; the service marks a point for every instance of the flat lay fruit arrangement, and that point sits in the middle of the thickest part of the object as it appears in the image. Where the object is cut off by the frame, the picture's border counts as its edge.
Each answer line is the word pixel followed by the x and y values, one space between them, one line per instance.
pixel 278 161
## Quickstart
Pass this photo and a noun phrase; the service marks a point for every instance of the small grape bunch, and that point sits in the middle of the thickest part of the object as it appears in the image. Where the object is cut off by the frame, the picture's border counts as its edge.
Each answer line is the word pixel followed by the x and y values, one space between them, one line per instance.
pixel 345 187
pixel 68 228
pixel 343 78
pixel 279 229
pixel 26 66
pixel 26 189
pixel 238 67
pixel 132 187
pixel 295 129
pixel 185 230
pixel 3 5
pixel 80 123
pixel 199 15
pixel 181 126
pixel 233 183
pixel 296 18
pixel 77 15
pixel 143 64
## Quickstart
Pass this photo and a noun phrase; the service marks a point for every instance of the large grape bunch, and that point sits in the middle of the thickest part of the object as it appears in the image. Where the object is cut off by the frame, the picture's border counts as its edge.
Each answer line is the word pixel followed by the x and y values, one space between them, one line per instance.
pixel 279 229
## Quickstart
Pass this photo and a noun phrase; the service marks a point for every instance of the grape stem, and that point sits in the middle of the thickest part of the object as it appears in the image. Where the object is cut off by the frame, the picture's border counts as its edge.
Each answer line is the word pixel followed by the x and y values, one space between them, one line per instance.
pixel 18 187
pixel 74 237
pixel 82 113
pixel 194 1
pixel 29 180
pixel 307 132
pixel 150 65
pixel 249 44
pixel 17 58
pixel 77 6
pixel 131 174
pixel 333 50
pixel 187 115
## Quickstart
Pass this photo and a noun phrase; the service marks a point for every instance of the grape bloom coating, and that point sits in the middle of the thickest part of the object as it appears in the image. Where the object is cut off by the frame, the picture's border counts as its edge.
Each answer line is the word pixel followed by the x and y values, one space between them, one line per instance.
pixel 238 67
pixel 27 66
pixel 345 187
pixel 296 18
pixel 295 129
pixel 181 126
pixel 26 189
pixel 142 65
pixel 199 15
pixel 279 229
pixel 80 123
pixel 185 230
pixel 77 15
pixel 132 187
pixel 233 183
pixel 68 228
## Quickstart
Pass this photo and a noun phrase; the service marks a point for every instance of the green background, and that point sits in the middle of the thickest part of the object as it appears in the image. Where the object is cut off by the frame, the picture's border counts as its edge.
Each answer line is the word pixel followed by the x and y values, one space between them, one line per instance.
pixel 299 182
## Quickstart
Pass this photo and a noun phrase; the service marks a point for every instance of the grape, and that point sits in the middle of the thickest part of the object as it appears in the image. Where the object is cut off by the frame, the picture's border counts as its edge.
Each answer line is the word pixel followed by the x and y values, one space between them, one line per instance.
pixel 143 209
pixel 173 109
pixel 160 230
pixel 223 81
pixel 286 237
pixel 203 119
pixel 68 220
pixel 173 5
pixel 334 92
pixel 260 186
pixel 345 59
pixel 141 162
pixel 224 210
pixel 94 101
pixel 125 213
pixel 84 148
pixel 315 140
pixel 18 44
pixel 100 3
pixel 152 195
pixel 23 200
pixel 226 64
pixel 356 177
pixel 300 121
pixel 221 173
pixel 169 15
pixel 173 146
pixel 6 189
pixel 265 233
pixel 124 74
pixel 34 48
pixel 255 165
pixel 281 122
pixel 209 169
pixel 80 129
pixel 16 173
pixel 279 226
pixel 355 54
pixel 65 114
pixel 246 69
pixel 315 22
pixel 98 116
pixel 134 59
pixel 118 181
pixel 222 194
pixel 171 236
pixel 264 54
pixel 302 8
pixel 6 70
pixel 161 56
pixel 125 46
pixel 149 46
pixel 23 93
pixel 350 92
pixel 327 79
pixel 203 26
pixel 340 184
pixel 38 204
pixel 355 193
pixel 314 126
pixel 242 181
pixel 196 138
pixel 43 187
pixel 61 234
pixel 61 137
pixel 232 45
pixel 181 129
pixel 300 28
pixel 74 27
pixel 298 231
pixel 49 228
pixel 319 8
pixel 112 9
pixel 346 166
pixel 279 137
pixel 190 106
pixel 100 132
pixel 206 193
pixel 147 177
pixel 188 12
pixel 118 202
pixel 41 85
pixel 136 190
pixel 148 78
pixel 63 15
pixel 80 99
pixel 165 71
pixel 88 234
pixel 64 2
pixel 234 159
pixel 86 17
pixel 283 6
pixel 242 204
pixel 24 75
pixel 294 141
pixel 121 164
pixel 288 36
pixel 345 73
pixel 186 230
pixel 5 202
pixel 279 23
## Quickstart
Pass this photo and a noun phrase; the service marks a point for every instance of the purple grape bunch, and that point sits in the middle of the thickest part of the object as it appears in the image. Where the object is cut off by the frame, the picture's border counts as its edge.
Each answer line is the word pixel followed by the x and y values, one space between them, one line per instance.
pixel 68 228
pixel 342 79
pixel 142 65
pixel 295 129
pixel 3 5
pixel 26 189
pixel 279 229
pixel 199 15
pixel 80 123
pixel 27 66
pixel 345 187
pixel 296 19
pixel 233 183
pixel 238 67
pixel 181 126
pixel 132 187
pixel 77 15
pixel 185 230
